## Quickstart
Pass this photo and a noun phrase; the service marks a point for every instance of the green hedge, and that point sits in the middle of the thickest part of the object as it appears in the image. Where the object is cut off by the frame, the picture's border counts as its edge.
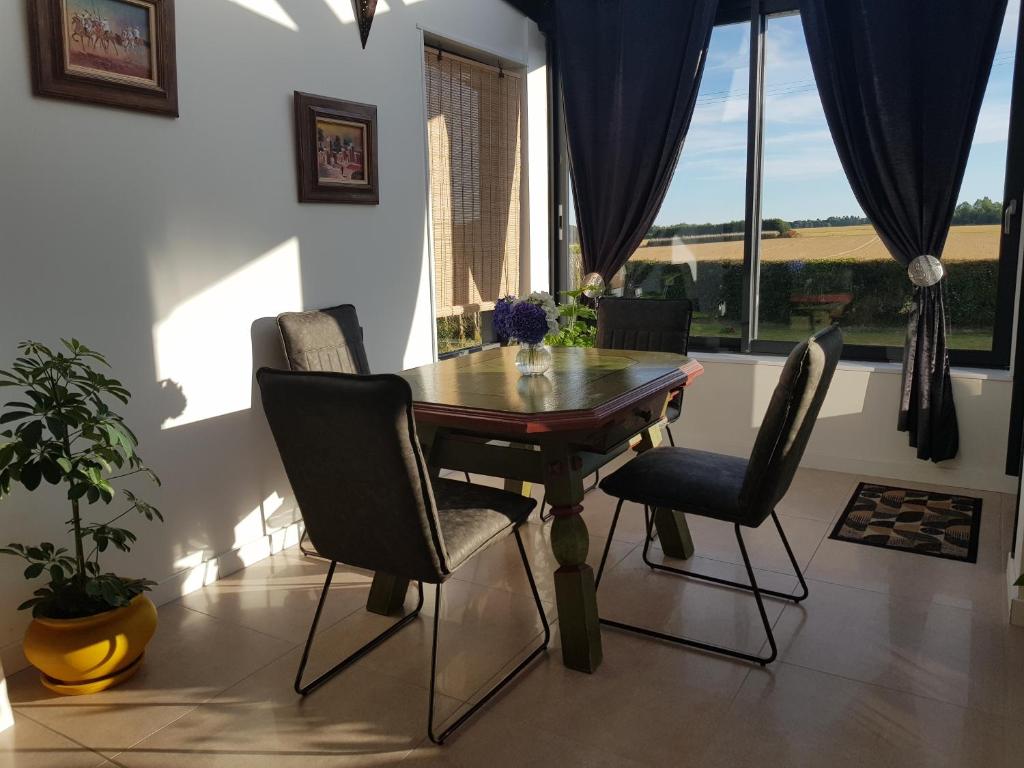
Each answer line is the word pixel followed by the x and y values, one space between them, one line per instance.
pixel 880 288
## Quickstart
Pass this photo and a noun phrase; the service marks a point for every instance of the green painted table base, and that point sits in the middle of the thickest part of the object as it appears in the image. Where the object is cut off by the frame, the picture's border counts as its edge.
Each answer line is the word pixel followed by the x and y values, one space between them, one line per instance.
pixel 673 532
pixel 476 414
pixel 387 595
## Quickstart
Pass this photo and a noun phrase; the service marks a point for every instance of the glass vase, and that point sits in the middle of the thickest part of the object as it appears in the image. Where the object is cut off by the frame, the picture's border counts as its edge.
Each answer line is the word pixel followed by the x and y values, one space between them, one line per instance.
pixel 533 359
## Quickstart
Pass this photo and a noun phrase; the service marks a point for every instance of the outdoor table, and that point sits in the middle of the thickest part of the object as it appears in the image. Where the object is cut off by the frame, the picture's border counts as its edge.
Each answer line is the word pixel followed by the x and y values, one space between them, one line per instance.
pixel 477 414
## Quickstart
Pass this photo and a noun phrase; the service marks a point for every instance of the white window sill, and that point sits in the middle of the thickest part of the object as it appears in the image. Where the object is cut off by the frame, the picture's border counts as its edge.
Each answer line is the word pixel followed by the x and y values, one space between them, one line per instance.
pixel 732 358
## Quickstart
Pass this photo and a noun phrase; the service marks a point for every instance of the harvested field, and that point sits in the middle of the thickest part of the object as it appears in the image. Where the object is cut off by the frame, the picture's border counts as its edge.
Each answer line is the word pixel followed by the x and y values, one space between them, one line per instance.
pixel 965 243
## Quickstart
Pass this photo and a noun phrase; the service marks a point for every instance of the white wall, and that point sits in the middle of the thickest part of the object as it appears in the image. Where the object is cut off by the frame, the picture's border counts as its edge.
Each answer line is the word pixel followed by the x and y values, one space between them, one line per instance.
pixel 856 430
pixel 170 245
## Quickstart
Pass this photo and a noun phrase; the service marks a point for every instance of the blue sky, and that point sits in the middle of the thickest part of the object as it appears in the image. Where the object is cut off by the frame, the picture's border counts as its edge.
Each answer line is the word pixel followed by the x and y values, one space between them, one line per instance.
pixel 802 175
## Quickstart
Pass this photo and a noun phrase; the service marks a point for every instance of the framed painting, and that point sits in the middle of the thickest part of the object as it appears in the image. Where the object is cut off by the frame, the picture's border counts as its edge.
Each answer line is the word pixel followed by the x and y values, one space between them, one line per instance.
pixel 336 150
pixel 119 53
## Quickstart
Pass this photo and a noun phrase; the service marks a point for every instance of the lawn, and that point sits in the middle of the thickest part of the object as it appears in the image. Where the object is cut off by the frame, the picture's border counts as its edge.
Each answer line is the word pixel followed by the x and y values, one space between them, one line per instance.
pixel 965 243
pixel 885 337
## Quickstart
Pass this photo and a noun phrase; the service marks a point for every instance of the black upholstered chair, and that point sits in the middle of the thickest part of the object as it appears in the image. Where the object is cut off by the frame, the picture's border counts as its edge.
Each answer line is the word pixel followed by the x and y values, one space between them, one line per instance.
pixel 324 340
pixel 739 491
pixel 328 339
pixel 645 325
pixel 652 325
pixel 350 450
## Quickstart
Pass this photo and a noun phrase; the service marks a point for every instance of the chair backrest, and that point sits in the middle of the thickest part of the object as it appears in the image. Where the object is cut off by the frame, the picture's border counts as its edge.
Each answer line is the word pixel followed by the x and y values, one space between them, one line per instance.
pixel 349 448
pixel 788 422
pixel 324 340
pixel 651 325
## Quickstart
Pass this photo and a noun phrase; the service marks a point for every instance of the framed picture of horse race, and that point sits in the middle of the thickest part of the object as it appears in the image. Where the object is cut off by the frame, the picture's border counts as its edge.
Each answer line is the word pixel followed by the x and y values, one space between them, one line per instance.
pixel 336 150
pixel 119 53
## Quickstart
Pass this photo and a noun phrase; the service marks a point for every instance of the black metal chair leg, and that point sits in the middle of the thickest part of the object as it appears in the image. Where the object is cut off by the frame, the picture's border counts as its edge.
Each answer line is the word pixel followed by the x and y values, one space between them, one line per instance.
pixel 468 478
pixel 763 661
pixel 736 584
pixel 304 690
pixel 608 543
pixel 751 587
pixel 671 440
pixel 304 550
pixel 440 739
pixel 792 560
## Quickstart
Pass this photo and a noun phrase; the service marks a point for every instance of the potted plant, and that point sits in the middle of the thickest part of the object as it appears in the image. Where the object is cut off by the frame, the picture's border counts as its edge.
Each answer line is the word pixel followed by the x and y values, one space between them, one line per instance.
pixel 90 628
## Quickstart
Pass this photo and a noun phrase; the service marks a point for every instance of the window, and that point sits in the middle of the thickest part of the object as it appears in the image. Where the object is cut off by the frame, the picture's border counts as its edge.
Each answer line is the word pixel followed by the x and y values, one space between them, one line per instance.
pixel 475 165
pixel 815 258
pixel 695 249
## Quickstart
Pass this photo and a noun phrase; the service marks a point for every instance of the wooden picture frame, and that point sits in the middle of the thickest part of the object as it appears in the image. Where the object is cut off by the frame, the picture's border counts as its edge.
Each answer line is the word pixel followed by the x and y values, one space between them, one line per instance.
pixel 336 150
pixel 119 53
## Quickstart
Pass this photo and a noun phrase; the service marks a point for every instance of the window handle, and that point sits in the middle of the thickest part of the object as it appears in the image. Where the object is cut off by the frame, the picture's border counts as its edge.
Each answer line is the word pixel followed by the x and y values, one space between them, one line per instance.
pixel 1008 214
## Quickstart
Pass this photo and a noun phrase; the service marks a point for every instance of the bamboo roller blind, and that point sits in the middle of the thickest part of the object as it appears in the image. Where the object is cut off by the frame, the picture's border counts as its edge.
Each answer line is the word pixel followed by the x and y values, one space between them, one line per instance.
pixel 473 135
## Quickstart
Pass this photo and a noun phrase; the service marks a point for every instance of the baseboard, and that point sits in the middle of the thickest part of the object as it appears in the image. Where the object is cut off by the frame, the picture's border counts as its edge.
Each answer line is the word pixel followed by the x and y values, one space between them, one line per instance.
pixel 914 470
pixel 177 585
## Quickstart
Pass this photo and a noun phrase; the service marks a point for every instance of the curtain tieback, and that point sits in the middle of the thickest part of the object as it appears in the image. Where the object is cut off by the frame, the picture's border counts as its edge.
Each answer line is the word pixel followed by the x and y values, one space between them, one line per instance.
pixel 925 270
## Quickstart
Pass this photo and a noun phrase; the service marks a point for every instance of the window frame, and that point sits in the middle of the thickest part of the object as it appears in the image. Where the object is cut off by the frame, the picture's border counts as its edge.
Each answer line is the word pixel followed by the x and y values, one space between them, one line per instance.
pixel 756 13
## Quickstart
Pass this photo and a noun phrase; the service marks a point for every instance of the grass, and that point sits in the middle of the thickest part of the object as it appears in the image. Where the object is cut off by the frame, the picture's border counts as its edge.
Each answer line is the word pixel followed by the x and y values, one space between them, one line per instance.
pixel 880 337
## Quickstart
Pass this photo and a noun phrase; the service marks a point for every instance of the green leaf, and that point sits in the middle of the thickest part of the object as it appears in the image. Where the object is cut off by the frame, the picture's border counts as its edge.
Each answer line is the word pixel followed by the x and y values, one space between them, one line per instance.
pixel 31 476
pixel 31 433
pixel 34 570
pixel 6 454
pixel 51 472
pixel 14 416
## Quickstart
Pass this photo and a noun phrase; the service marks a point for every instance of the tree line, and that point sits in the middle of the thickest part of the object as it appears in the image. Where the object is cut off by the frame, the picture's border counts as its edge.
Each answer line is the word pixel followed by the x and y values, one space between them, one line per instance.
pixel 983 211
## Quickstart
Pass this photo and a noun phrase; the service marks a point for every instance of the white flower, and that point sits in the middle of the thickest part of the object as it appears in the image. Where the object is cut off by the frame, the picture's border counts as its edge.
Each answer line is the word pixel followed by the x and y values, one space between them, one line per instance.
pixel 544 300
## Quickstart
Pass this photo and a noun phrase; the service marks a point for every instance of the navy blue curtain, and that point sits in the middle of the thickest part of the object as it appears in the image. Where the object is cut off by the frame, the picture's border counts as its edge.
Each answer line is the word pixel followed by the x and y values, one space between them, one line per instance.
pixel 630 70
pixel 901 83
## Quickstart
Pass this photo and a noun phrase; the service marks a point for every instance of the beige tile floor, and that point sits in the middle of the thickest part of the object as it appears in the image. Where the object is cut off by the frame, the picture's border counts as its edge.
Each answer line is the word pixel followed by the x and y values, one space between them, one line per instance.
pixel 894 660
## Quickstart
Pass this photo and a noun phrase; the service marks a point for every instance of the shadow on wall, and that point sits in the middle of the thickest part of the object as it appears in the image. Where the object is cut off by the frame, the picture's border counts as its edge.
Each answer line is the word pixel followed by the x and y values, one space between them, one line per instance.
pixel 170 245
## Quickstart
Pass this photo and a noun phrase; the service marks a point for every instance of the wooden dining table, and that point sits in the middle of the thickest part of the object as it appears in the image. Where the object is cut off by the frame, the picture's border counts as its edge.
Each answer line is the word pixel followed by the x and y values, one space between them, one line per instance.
pixel 477 414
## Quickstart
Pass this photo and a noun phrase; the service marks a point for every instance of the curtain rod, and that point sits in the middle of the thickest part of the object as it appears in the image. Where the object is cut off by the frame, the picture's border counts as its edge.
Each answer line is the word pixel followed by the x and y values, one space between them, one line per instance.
pixel 448 54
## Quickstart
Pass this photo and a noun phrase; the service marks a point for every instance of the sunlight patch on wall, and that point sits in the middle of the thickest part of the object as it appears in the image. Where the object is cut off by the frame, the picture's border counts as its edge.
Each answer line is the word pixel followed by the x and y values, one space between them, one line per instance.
pixel 6 715
pixel 205 344
pixel 343 10
pixel 270 10
pixel 847 393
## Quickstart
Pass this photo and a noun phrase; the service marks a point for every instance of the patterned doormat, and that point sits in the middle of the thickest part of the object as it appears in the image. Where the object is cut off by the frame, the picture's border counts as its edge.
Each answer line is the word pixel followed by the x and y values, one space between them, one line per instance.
pixel 923 522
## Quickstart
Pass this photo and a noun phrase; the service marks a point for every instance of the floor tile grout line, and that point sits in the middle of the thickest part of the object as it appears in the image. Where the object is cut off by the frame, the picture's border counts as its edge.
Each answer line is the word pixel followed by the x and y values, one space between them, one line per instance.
pixel 53 730
pixel 892 596
pixel 239 625
pixel 914 694
pixel 209 700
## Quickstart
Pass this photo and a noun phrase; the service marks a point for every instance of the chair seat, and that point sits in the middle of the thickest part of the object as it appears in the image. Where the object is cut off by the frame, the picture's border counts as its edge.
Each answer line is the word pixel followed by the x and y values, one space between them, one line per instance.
pixel 474 516
pixel 697 482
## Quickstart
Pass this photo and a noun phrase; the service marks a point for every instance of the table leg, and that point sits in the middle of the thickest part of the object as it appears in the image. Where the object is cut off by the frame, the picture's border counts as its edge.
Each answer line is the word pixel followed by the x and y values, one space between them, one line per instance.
pixel 673 532
pixel 575 596
pixel 387 592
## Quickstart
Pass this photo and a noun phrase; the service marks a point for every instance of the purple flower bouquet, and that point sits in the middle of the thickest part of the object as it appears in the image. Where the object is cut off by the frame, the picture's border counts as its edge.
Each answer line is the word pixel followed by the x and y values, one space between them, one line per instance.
pixel 527 321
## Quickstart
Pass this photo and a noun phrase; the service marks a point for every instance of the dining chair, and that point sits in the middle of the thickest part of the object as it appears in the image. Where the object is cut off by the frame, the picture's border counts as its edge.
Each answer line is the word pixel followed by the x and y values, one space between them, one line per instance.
pixel 652 325
pixel 350 450
pixel 328 339
pixel 743 492
pixel 647 325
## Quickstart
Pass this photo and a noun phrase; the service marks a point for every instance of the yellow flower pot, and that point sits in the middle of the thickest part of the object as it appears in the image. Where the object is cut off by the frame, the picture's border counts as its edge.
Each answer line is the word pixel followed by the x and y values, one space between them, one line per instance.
pixel 91 654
